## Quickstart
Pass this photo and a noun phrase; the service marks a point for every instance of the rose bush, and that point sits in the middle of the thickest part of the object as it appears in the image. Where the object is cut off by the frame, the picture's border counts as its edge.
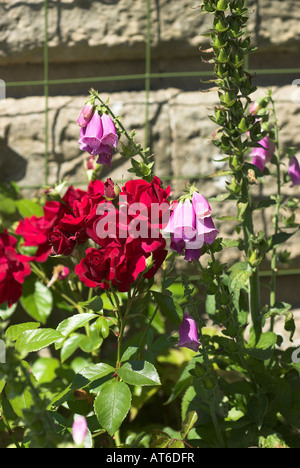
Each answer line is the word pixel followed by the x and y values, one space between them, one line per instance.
pixel 141 352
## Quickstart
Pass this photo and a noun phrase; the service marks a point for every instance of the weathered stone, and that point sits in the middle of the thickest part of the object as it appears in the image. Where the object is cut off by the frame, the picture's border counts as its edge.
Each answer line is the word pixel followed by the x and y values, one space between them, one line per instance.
pixel 110 29
pixel 180 134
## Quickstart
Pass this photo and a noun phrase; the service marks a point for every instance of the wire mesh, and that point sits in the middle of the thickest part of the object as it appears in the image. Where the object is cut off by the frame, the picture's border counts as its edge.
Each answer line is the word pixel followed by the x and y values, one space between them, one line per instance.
pixel 148 76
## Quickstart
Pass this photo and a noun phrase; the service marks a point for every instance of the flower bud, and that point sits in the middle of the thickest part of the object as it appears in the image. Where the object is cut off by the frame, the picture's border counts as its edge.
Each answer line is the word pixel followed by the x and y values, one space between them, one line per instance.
pixel 79 429
pixel 60 272
pixel 112 191
pixel 85 115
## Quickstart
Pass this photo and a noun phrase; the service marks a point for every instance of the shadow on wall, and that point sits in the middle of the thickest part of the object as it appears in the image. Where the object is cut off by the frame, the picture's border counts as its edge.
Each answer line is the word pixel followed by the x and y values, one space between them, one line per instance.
pixel 12 165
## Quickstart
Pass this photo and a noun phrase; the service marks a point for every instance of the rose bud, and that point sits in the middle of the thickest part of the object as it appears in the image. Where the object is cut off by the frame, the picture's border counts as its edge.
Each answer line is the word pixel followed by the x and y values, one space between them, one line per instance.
pixel 111 190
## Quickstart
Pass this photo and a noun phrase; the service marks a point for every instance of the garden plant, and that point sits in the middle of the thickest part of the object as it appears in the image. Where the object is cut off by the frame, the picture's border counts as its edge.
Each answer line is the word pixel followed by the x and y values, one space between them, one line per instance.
pixel 107 342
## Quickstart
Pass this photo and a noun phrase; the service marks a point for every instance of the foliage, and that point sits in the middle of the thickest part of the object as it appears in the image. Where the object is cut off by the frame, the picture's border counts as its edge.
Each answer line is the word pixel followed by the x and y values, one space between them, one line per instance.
pixel 106 347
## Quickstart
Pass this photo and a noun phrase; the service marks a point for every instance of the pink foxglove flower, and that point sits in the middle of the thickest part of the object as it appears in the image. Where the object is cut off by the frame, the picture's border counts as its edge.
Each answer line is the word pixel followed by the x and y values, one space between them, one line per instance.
pixel 99 138
pixel 79 429
pixel 294 171
pixel 85 115
pixel 263 153
pixel 191 226
pixel 188 333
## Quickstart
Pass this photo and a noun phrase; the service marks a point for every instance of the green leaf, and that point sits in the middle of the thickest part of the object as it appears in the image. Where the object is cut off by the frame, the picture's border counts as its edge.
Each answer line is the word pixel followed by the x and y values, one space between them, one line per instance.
pixel 263 350
pixel 92 342
pixel 6 312
pixel 277 239
pixel 238 280
pixel 71 324
pixel 7 205
pixel 160 439
pixel 112 405
pixel 188 424
pixel 29 208
pixel 95 304
pixel 44 369
pixel 129 352
pixel 91 373
pixel 263 204
pixel 15 331
pixel 20 402
pixel 34 340
pixel 37 300
pixel 163 440
pixel 257 408
pixel 139 373
pixel 169 307
pixel 70 345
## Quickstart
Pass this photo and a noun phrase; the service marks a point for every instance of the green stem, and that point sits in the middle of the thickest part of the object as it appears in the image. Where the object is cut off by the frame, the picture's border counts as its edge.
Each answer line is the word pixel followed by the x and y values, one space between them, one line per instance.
pixel 124 131
pixel 139 351
pixel 254 283
pixel 209 369
pixel 210 394
pixel 276 214
pixel 41 275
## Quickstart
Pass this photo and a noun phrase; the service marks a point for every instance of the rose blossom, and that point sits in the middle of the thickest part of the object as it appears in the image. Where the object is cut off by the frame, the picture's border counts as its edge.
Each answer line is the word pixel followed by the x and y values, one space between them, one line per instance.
pixel 116 265
pixel 36 230
pixel 14 268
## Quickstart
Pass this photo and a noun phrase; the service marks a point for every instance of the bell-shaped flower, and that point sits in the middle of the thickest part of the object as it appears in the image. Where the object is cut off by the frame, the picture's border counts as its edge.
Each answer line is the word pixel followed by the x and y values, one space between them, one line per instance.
pixel 182 222
pixel 191 227
pixel 294 171
pixel 110 136
pixel 188 333
pixel 99 138
pixel 263 153
pixel 91 135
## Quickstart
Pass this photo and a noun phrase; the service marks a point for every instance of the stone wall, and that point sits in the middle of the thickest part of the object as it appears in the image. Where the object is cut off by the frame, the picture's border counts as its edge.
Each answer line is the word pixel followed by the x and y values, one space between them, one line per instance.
pixel 89 38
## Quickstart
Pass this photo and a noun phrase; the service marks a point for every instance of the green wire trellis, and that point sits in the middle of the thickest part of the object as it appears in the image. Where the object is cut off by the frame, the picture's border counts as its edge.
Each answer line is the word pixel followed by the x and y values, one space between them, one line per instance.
pixel 148 76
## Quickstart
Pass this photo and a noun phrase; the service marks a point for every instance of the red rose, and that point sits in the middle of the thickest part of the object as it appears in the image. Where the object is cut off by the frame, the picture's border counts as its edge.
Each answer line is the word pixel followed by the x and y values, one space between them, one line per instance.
pixel 14 268
pixel 36 230
pixel 150 195
pixel 73 195
pixel 61 244
pixel 116 264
